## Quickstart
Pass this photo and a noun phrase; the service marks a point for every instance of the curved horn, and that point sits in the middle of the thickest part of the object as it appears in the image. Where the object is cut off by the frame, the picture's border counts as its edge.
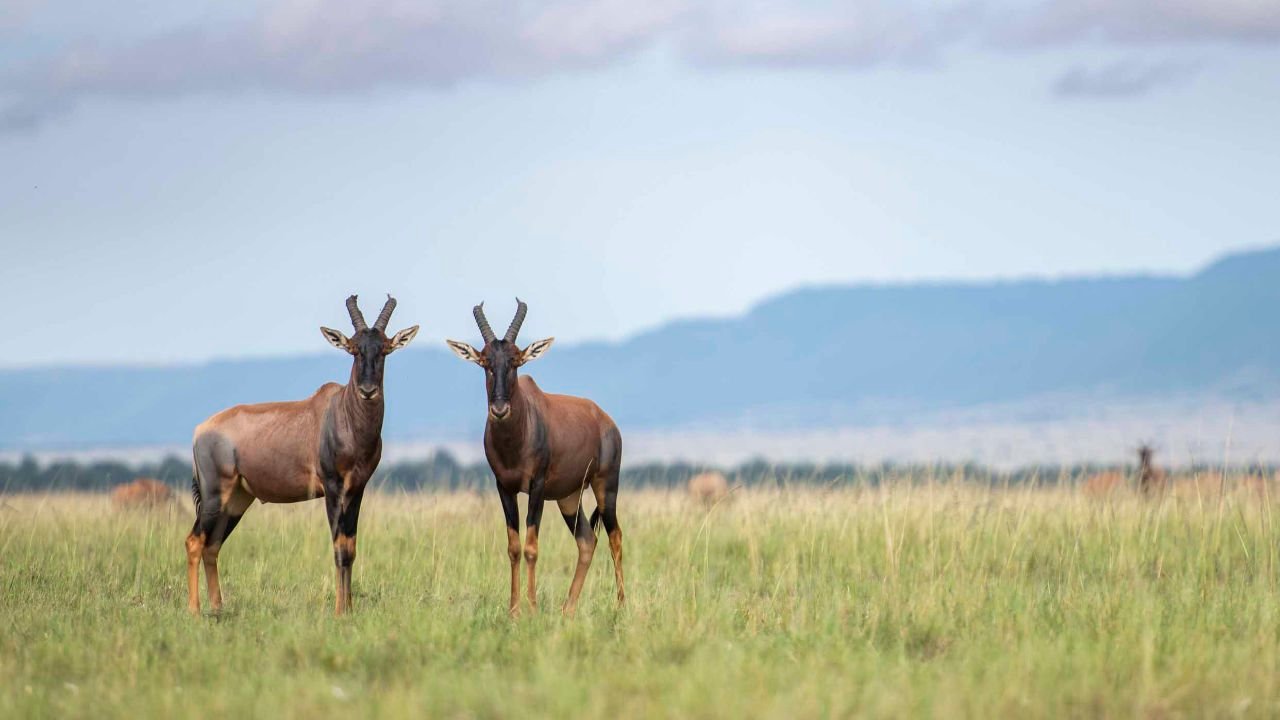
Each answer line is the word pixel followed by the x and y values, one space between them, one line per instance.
pixel 517 321
pixel 384 317
pixel 357 318
pixel 486 332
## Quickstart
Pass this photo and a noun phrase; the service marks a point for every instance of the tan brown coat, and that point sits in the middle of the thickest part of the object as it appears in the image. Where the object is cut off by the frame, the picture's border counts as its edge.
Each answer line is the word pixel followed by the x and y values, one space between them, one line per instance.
pixel 142 493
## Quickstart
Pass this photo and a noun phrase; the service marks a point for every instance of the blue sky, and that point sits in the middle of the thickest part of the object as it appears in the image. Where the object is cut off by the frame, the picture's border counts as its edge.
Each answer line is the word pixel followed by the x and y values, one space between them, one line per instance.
pixel 190 182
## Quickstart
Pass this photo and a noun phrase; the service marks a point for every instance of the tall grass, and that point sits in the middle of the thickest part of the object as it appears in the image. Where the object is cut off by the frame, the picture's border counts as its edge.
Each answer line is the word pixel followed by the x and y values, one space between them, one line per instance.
pixel 926 597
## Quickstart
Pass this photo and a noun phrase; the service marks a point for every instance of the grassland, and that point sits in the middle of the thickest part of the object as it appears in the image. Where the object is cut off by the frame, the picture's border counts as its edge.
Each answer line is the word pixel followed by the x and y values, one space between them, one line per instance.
pixel 921 598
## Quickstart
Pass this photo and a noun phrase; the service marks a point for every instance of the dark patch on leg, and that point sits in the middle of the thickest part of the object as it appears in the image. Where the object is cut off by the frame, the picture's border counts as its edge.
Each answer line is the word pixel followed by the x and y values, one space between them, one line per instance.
pixel 343 510
pixel 532 522
pixel 511 516
pixel 578 525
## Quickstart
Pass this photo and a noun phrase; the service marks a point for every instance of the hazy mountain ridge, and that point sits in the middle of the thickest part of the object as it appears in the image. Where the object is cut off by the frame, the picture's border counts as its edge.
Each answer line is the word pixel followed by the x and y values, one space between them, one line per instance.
pixel 815 356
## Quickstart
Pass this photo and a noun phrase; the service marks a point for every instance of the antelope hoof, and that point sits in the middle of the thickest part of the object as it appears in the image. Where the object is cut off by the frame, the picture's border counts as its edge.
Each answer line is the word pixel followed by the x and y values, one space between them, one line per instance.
pixel 568 610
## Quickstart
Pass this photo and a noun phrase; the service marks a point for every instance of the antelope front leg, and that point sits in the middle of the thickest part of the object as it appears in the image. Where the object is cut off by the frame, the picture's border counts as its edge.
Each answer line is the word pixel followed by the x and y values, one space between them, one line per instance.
pixel 531 523
pixel 511 513
pixel 344 517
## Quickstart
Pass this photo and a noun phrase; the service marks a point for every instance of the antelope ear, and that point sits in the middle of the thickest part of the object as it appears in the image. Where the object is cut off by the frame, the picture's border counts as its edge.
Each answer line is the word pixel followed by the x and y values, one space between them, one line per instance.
pixel 535 350
pixel 336 339
pixel 402 338
pixel 465 351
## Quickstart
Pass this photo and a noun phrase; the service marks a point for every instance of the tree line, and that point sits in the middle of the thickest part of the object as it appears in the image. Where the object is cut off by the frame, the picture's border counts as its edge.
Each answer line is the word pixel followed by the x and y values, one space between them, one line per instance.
pixel 442 472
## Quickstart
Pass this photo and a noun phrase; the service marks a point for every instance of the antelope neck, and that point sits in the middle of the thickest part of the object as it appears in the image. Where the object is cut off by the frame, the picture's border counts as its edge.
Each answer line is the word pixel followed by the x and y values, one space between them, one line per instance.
pixel 363 416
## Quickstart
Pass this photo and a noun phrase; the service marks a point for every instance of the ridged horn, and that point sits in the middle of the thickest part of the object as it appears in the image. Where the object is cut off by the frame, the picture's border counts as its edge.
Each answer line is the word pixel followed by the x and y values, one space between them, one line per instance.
pixel 384 317
pixel 517 321
pixel 486 332
pixel 357 318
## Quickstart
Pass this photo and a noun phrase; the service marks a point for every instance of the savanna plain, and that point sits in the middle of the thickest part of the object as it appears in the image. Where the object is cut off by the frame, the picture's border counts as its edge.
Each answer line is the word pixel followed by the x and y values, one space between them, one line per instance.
pixel 925 596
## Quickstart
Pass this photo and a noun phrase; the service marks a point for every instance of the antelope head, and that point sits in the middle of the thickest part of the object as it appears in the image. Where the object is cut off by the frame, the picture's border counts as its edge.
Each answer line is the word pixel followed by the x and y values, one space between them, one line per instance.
pixel 500 358
pixel 369 346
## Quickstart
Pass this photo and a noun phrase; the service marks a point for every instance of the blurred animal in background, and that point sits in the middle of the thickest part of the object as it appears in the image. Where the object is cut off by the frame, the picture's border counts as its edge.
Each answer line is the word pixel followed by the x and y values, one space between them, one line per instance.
pixel 708 488
pixel 1152 481
pixel 1104 485
pixel 1257 483
pixel 143 493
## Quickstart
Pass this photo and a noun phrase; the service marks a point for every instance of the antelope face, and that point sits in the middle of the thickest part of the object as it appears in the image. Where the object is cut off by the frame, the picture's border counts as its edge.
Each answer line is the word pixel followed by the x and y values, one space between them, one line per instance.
pixel 369 346
pixel 500 359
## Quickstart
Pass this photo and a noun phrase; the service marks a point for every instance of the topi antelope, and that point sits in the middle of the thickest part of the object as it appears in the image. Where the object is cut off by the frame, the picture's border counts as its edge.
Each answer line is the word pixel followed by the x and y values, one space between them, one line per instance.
pixel 141 493
pixel 325 446
pixel 551 447
pixel 1151 480
pixel 1104 485
pixel 708 488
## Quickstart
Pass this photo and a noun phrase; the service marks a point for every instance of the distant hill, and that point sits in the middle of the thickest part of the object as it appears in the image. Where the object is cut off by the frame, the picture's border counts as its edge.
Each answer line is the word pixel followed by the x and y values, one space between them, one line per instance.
pixel 817 356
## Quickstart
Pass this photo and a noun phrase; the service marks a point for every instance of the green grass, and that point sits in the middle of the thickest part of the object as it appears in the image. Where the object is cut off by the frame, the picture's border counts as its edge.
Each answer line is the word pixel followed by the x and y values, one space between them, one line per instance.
pixel 933 599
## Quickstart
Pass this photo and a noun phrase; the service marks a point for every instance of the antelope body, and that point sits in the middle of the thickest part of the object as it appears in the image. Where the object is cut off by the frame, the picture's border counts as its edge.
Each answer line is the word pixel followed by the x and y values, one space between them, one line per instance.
pixel 1103 485
pixel 1151 480
pixel 141 493
pixel 325 446
pixel 708 488
pixel 551 447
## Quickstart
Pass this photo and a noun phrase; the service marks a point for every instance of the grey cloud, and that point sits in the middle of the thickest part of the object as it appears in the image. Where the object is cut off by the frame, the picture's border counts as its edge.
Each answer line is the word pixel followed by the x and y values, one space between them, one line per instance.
pixel 28 114
pixel 326 47
pixel 1133 22
pixel 851 34
pixel 14 14
pixel 1122 79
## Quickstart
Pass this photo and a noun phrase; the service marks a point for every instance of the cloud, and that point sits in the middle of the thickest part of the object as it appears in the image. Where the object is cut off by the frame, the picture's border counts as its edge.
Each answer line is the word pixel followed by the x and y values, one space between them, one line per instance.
pixel 14 14
pixel 857 34
pixel 334 47
pixel 1124 79
pixel 29 114
pixel 1139 22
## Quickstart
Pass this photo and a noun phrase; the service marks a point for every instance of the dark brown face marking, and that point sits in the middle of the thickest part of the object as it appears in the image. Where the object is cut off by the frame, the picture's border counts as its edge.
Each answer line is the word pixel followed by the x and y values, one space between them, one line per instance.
pixel 501 360
pixel 369 348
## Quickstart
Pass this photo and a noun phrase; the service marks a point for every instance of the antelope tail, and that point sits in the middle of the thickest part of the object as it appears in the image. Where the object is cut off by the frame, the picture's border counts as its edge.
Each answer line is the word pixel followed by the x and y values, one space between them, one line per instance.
pixel 195 491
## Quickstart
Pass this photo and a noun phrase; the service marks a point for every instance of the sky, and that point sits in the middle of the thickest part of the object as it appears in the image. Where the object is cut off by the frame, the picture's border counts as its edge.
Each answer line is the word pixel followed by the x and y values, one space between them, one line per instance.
pixel 186 181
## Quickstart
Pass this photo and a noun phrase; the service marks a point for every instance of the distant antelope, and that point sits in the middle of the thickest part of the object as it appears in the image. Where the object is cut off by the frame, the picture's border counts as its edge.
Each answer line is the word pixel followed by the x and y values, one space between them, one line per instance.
pixel 1104 484
pixel 141 493
pixel 1151 480
pixel 549 446
pixel 325 446
pixel 708 488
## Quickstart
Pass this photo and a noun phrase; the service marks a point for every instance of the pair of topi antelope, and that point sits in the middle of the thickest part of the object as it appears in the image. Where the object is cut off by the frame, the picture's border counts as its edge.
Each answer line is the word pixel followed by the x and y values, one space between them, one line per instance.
pixel 551 447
